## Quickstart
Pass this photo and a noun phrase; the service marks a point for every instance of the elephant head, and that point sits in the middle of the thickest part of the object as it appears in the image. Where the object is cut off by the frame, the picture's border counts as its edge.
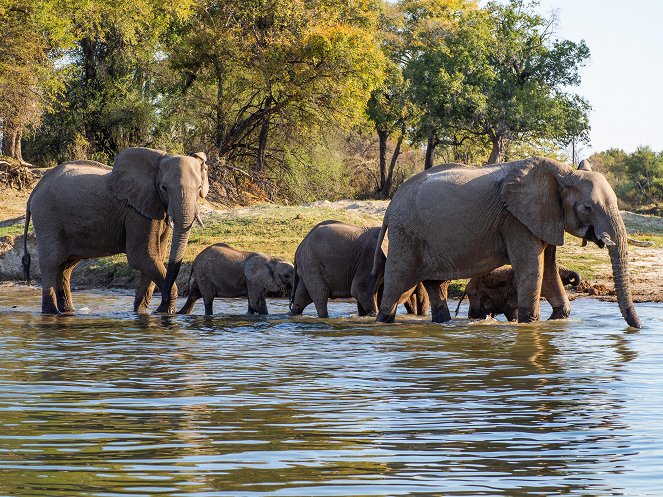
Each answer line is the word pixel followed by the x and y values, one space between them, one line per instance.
pixel 269 273
pixel 160 185
pixel 550 197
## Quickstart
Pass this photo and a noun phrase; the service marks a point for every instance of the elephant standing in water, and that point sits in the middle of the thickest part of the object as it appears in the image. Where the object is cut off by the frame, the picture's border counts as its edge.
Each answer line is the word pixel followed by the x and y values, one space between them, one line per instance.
pixel 222 271
pixel 495 293
pixel 335 260
pixel 455 221
pixel 84 209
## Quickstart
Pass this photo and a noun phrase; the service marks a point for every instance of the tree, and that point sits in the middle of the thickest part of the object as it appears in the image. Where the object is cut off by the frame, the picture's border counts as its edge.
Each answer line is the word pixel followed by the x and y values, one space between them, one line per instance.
pixel 33 34
pixel 500 75
pixel 261 66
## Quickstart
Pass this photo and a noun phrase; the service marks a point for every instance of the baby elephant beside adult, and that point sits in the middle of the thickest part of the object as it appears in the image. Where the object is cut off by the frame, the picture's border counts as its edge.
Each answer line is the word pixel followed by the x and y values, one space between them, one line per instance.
pixel 222 271
pixel 495 293
pixel 84 209
pixel 335 260
pixel 455 222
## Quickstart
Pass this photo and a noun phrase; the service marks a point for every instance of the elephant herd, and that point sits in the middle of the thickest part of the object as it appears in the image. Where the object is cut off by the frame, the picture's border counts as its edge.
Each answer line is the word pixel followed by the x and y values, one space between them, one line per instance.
pixel 448 222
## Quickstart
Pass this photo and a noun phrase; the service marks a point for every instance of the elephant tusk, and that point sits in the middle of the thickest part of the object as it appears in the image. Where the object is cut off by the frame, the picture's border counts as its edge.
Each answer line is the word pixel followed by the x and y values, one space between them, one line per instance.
pixel 639 243
pixel 171 223
pixel 605 238
pixel 199 220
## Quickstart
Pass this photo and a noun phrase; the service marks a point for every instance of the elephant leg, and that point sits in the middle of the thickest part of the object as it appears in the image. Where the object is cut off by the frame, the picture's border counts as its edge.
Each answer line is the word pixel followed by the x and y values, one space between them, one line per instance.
pixel 410 304
pixel 194 295
pixel 320 297
pixel 422 300
pixel 209 307
pixel 257 302
pixel 143 294
pixel 395 285
pixel 437 293
pixel 526 257
pixel 49 265
pixel 301 300
pixel 63 294
pixel 552 287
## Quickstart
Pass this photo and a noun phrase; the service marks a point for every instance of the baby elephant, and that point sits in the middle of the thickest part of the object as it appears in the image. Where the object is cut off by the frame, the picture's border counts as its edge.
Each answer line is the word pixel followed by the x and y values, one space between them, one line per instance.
pixel 495 293
pixel 335 260
pixel 222 271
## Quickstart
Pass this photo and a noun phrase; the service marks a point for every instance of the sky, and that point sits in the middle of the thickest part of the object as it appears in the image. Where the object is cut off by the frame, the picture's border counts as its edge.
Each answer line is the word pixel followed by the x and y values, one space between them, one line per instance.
pixel 623 80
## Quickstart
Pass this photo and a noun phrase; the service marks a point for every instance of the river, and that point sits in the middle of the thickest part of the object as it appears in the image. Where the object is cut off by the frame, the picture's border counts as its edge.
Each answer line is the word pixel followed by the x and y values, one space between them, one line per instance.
pixel 109 403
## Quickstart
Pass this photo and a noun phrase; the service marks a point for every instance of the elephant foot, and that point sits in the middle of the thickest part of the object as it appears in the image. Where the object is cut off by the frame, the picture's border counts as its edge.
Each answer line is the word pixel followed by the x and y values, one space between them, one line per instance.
pixel 166 308
pixel 385 318
pixel 50 310
pixel 527 315
pixel 441 315
pixel 560 312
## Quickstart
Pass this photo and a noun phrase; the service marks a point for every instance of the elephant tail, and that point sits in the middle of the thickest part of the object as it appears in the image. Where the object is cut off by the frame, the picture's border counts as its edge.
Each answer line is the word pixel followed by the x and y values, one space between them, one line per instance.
pixel 25 260
pixel 462 297
pixel 379 256
pixel 295 281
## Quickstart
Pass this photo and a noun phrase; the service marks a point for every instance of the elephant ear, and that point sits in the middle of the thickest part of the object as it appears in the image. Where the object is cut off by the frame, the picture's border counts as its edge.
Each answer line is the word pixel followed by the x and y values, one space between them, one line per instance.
pixel 258 273
pixel 202 157
pixel 530 192
pixel 133 179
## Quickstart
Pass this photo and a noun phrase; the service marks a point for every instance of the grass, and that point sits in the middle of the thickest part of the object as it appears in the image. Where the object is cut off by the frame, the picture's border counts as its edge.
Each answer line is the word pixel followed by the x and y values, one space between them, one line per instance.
pixel 273 229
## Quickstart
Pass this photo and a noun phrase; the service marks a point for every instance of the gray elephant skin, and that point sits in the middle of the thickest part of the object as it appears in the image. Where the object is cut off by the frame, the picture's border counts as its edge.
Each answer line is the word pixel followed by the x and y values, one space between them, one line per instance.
pixel 495 292
pixel 84 209
pixel 222 271
pixel 335 260
pixel 455 221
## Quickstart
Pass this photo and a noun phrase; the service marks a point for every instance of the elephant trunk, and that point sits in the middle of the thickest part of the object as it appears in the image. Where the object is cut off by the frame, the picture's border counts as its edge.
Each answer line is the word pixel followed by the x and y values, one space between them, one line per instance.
pixel 183 214
pixel 619 259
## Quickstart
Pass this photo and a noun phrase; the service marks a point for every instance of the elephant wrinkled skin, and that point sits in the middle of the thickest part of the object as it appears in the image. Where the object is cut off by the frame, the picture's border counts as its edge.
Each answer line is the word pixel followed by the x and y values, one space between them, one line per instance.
pixel 84 209
pixel 455 222
pixel 222 271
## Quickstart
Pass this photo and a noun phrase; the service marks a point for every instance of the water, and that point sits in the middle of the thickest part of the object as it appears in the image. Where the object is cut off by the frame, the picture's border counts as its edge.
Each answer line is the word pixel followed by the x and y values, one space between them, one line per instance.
pixel 108 403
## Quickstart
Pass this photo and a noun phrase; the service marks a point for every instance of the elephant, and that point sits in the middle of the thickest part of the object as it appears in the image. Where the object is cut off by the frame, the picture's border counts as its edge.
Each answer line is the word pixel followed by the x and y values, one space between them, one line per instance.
pixel 455 221
pixel 495 293
pixel 223 271
pixel 84 209
pixel 335 260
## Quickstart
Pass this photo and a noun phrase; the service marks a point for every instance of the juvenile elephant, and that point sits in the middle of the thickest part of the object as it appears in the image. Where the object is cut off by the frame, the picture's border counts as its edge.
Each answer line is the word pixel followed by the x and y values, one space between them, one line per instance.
pixel 84 209
pixel 495 293
pixel 455 221
pixel 335 260
pixel 222 271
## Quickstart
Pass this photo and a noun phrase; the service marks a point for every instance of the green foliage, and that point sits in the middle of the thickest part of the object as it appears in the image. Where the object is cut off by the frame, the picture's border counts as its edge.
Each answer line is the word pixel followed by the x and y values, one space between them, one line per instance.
pixel 637 178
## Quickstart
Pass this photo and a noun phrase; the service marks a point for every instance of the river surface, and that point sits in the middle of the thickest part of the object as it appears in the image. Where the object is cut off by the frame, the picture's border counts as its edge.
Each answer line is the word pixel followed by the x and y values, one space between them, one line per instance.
pixel 109 403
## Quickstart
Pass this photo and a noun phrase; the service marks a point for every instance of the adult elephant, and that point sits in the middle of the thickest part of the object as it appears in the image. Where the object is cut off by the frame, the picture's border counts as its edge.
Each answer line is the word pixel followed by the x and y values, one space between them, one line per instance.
pixel 84 209
pixel 335 260
pixel 455 221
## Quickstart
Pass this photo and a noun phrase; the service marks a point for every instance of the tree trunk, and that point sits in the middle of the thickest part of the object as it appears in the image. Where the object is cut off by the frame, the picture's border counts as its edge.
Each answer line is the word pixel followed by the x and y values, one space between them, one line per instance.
pixel 219 129
pixel 11 141
pixel 386 190
pixel 383 135
pixel 262 140
pixel 430 150
pixel 497 150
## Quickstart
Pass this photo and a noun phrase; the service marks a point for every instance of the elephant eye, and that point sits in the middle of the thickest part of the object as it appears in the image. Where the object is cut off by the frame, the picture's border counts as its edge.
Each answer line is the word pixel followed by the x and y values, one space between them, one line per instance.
pixel 164 188
pixel 587 208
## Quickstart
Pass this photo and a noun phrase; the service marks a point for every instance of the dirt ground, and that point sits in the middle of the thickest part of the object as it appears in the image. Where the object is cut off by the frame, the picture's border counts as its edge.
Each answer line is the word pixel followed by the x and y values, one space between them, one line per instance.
pixel 646 263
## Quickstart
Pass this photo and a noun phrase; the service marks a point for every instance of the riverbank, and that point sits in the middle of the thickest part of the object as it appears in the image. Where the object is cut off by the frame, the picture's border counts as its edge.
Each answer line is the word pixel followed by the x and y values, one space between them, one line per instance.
pixel 278 229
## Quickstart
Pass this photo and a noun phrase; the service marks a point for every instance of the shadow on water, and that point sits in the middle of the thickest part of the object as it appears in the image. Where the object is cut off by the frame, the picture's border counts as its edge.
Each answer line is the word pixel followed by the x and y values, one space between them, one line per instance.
pixel 110 403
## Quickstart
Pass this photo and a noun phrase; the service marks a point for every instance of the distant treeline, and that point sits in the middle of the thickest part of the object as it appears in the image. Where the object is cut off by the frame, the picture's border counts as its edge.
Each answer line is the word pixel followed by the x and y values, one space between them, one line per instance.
pixel 637 178
pixel 291 99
